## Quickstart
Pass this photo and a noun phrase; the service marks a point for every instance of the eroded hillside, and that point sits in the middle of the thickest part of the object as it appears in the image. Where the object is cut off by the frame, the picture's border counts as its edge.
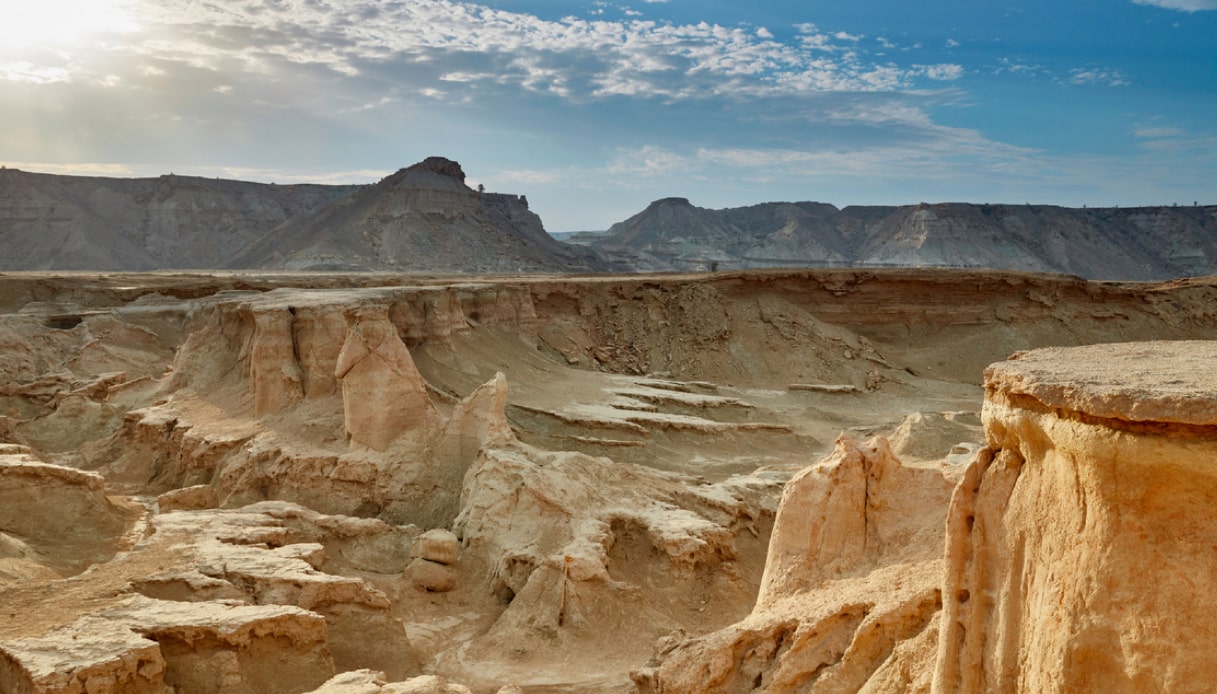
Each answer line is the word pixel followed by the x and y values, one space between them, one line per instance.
pixel 258 482
pixel 1139 243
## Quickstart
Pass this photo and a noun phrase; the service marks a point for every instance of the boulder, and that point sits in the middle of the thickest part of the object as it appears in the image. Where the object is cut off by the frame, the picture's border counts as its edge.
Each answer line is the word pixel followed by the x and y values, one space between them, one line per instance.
pixel 439 546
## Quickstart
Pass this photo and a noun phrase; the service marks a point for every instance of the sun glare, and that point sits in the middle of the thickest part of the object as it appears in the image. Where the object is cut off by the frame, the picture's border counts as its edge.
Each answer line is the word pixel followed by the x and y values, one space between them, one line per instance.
pixel 60 23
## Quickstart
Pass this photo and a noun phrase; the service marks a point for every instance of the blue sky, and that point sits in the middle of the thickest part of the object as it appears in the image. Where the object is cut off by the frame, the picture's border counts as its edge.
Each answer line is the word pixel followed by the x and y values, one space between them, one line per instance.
pixel 593 109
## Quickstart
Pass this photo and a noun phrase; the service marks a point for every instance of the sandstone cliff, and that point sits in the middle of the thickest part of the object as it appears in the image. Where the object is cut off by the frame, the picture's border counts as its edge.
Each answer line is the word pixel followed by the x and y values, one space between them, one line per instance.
pixel 850 595
pixel 1104 243
pixel 1079 539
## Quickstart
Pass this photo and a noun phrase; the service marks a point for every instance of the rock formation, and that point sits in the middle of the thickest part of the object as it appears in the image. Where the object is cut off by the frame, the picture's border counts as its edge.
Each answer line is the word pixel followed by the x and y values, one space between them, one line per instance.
pixel 850 592
pixel 383 396
pixel 587 484
pixel 51 222
pixel 422 218
pixel 213 601
pixel 1080 539
pixel 1139 243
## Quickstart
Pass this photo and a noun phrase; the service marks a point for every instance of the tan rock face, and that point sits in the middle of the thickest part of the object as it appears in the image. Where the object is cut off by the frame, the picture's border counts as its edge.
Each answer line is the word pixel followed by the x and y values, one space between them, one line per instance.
pixel 53 517
pixel 1078 541
pixel 227 601
pixel 382 394
pixel 850 593
pixel 439 546
pixel 857 510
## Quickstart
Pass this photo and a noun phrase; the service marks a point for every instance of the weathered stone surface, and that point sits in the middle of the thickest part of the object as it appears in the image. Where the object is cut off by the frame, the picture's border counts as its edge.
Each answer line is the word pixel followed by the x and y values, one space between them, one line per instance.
pixel 225 600
pixel 850 592
pixel 430 576
pixel 569 537
pixel 382 394
pixel 275 374
pixel 54 516
pixel 855 511
pixel 196 498
pixel 145 645
pixel 439 546
pixel 622 489
pixel 372 682
pixel 1155 382
pixel 1097 484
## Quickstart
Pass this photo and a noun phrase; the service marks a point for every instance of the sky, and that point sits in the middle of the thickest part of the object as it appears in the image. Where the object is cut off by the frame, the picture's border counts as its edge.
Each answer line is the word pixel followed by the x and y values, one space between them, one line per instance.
pixel 593 109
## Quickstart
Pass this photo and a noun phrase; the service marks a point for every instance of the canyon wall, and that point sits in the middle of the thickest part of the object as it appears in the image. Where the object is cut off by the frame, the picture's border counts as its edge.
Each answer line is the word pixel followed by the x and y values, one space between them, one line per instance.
pixel 1080 542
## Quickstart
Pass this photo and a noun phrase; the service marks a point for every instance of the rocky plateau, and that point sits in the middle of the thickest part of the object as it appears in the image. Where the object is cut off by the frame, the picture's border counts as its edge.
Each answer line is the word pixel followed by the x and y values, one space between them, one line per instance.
pixel 1136 243
pixel 817 480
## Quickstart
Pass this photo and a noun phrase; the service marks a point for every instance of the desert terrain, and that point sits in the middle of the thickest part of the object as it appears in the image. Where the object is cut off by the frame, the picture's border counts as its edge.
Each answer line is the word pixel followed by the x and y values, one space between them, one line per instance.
pixel 767 480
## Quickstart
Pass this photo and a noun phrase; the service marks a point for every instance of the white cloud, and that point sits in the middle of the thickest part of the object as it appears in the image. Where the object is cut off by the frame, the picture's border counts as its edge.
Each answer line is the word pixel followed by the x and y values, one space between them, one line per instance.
pixel 80 169
pixel 943 72
pixel 1156 132
pixel 1182 5
pixel 1100 76
pixel 25 71
pixel 952 43
pixel 572 58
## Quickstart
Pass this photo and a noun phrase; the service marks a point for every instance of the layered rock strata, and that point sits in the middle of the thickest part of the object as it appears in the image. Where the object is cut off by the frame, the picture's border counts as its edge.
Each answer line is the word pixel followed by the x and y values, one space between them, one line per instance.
pixel 850 595
pixel 227 601
pixel 1080 542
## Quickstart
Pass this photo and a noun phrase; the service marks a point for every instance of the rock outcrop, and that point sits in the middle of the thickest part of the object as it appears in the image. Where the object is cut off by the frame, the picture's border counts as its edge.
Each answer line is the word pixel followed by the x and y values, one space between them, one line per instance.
pixel 585 550
pixel 231 601
pixel 1081 539
pixel 54 520
pixel 334 367
pixel 383 397
pixel 850 595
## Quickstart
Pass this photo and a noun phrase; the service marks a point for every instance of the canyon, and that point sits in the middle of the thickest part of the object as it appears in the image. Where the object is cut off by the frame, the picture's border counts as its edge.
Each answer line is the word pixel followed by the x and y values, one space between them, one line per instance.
pixel 883 480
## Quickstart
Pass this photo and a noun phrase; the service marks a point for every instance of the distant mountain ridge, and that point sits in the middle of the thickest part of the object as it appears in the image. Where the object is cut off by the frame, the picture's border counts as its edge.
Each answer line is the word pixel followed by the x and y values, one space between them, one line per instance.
pixel 422 218
pixel 1139 243
pixel 54 222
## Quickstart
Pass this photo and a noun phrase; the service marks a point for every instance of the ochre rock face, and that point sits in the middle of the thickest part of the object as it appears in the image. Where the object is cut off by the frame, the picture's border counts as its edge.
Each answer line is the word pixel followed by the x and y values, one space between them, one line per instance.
pixel 382 393
pixel 850 595
pixel 1080 543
